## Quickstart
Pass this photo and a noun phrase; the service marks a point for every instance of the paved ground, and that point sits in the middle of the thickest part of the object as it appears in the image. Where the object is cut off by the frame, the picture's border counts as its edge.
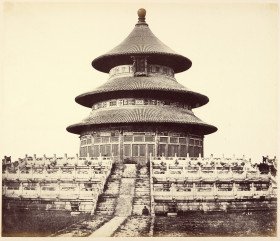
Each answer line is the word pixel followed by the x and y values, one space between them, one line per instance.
pixel 134 226
pixel 45 223
pixel 108 228
pixel 84 228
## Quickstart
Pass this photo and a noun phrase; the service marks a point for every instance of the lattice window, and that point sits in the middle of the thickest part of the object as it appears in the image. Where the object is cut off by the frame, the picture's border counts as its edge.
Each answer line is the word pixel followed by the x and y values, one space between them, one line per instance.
pixel 127 150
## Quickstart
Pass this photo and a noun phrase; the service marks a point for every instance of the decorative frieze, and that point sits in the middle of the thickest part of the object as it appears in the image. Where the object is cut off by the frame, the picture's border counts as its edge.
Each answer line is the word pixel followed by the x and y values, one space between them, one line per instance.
pixel 115 103
pixel 141 68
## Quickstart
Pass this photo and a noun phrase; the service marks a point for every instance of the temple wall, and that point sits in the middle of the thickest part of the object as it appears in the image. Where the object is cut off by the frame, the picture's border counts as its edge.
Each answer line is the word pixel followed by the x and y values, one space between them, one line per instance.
pixel 137 146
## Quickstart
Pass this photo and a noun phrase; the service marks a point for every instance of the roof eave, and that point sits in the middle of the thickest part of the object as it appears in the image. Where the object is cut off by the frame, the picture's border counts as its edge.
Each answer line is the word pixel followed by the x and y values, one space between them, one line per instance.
pixel 203 129
pixel 90 98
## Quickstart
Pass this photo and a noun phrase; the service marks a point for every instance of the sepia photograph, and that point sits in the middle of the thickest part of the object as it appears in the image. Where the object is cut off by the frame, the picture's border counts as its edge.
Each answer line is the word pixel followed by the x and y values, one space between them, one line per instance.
pixel 139 118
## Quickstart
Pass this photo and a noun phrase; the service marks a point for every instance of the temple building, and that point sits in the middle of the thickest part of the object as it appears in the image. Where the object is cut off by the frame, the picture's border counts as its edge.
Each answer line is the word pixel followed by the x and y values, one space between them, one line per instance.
pixel 141 109
pixel 141 151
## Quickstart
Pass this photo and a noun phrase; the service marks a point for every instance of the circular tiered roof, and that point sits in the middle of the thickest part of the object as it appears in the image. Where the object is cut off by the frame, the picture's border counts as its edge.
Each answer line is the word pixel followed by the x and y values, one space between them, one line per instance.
pixel 158 87
pixel 141 41
pixel 143 114
pixel 152 85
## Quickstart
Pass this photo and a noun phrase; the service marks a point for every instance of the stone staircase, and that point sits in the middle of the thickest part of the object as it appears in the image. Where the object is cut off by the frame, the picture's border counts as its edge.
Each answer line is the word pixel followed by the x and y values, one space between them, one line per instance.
pixel 142 191
pixel 124 205
pixel 107 201
pixel 104 211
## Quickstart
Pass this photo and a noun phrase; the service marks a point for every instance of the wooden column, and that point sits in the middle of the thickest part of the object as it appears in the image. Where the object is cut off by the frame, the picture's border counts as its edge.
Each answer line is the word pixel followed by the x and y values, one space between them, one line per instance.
pixel 121 146
pixel 156 145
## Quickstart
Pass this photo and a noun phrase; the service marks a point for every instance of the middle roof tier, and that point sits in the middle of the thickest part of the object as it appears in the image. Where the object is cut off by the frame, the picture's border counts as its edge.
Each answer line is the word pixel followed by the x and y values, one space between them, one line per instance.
pixel 153 87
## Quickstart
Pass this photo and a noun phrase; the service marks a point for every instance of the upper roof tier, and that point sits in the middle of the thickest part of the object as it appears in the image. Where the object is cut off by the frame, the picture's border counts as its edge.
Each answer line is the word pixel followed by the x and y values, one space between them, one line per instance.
pixel 141 41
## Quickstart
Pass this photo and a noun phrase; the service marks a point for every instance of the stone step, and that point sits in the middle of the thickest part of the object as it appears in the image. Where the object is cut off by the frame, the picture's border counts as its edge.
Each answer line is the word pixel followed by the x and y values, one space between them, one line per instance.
pixel 107 203
pixel 107 199
pixel 115 186
pixel 141 199
pixel 141 203
pixel 105 210
pixel 115 183
pixel 142 189
pixel 142 183
pixel 140 207
pixel 114 192
pixel 142 186
pixel 104 213
pixel 135 205
pixel 139 196
pixel 142 193
pixel 105 206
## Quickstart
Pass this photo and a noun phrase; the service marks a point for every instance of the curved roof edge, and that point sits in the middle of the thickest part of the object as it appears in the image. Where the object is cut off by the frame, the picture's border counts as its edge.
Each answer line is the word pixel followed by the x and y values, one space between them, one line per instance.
pixel 141 41
pixel 106 62
pixel 205 129
pixel 151 115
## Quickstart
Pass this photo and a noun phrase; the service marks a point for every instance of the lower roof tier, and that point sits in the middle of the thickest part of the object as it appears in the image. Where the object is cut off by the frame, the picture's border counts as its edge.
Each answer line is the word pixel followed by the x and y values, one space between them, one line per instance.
pixel 146 115
pixel 157 87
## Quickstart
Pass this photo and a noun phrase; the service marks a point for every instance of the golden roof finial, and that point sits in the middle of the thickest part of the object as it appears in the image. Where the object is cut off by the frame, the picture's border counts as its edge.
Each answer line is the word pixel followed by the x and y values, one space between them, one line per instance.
pixel 141 14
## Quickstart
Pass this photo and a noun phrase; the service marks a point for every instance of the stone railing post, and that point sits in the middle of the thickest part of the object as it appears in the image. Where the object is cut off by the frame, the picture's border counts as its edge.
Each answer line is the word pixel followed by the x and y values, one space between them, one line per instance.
pixel 38 189
pixel 31 172
pixel 77 158
pixel 19 173
pixel 194 190
pixel 152 187
pixel 58 189
pixel 59 173
pixel 234 189
pixel 215 193
pixel 21 188
pixel 74 174
pixel 252 189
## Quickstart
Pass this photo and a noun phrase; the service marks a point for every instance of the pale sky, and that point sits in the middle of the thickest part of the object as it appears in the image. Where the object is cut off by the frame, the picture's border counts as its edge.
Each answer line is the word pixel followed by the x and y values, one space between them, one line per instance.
pixel 48 48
